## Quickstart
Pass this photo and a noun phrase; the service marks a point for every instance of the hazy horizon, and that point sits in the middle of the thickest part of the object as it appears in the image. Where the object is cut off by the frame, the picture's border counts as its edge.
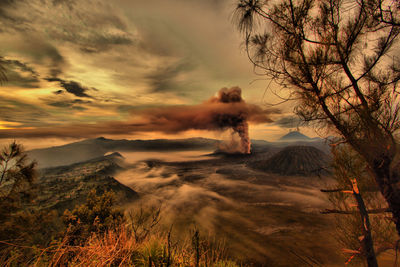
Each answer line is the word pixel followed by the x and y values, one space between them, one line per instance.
pixel 38 143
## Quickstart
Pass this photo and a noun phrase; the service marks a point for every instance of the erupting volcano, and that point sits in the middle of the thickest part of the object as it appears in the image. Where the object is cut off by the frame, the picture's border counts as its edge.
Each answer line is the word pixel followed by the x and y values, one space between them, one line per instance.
pixel 225 111
pixel 237 121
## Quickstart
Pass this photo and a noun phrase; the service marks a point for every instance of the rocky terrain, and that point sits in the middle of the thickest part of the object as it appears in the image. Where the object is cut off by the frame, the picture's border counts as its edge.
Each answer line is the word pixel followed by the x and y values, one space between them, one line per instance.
pixel 65 186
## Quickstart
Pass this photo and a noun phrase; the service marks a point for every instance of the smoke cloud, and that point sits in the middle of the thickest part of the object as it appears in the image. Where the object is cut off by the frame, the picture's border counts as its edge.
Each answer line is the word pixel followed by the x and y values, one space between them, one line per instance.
pixel 238 122
pixel 227 110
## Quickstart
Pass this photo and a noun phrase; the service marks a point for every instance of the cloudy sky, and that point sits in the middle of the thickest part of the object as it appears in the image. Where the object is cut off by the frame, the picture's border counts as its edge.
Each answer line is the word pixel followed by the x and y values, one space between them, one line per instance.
pixel 74 64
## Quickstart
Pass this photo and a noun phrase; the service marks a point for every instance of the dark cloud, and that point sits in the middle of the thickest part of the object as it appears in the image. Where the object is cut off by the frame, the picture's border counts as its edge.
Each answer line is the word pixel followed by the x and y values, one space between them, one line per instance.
pixel 37 51
pixel 133 45
pixel 16 74
pixel 10 21
pixel 16 79
pixel 68 3
pixel 288 122
pixel 103 29
pixel 125 108
pixel 53 79
pixel 41 50
pixel 58 61
pixel 80 108
pixel 99 42
pixel 80 101
pixel 69 103
pixel 212 115
pixel 212 4
pixel 88 50
pixel 150 31
pixel 165 79
pixel 71 87
pixel 3 5
pixel 60 104
pixel 28 115
pixel 22 66
pixel 91 29
pixel 58 92
pixel 6 2
pixel 74 88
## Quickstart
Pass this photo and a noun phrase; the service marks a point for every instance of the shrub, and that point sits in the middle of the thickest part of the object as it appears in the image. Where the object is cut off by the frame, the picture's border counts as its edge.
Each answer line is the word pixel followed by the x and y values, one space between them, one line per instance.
pixel 97 215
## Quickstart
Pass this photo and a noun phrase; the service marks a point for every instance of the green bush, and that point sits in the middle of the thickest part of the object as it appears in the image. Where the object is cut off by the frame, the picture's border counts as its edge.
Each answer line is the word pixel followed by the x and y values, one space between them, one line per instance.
pixel 97 215
pixel 23 228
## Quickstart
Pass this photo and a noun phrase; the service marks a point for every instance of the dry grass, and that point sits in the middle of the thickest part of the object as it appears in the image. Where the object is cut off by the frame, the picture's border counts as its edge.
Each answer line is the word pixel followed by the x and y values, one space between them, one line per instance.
pixel 118 247
pixel 111 248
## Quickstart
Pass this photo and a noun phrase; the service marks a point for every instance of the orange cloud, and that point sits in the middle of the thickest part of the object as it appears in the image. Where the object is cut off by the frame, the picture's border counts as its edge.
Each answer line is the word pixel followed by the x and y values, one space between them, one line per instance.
pixel 225 111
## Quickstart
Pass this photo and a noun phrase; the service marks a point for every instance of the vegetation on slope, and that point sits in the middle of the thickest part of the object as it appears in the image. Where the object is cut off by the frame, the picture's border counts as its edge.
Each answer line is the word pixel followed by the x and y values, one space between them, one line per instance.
pixel 99 234
pixel 66 186
pixel 95 233
pixel 295 160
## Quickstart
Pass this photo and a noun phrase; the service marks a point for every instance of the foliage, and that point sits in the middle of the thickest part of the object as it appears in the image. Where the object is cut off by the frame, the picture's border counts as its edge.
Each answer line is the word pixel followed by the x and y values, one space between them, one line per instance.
pixel 339 60
pixel 143 220
pixel 349 165
pixel 97 233
pixel 97 215
pixel 21 224
pixel 118 247
pixel 25 233
pixel 16 175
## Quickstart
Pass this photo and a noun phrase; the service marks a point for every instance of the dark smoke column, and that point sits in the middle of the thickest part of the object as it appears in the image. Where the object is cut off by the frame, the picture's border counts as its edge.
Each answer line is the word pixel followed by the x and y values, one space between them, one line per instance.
pixel 243 130
pixel 237 120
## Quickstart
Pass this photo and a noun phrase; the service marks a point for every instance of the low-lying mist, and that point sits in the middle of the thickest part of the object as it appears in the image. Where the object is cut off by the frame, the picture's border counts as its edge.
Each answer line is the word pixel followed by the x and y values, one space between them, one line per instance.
pixel 226 198
pixel 138 156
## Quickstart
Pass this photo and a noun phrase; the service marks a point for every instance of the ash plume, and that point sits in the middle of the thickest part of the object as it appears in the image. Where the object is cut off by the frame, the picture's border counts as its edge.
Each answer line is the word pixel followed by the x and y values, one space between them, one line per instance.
pixel 225 111
pixel 238 122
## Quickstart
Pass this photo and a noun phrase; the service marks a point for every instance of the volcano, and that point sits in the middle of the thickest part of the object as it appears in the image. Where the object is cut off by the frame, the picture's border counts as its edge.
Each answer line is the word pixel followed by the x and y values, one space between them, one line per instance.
pixel 295 136
pixel 295 160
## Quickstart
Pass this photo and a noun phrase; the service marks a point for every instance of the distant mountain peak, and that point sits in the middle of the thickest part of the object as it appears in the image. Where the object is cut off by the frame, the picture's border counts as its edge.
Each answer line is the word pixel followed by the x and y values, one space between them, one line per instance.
pixel 295 136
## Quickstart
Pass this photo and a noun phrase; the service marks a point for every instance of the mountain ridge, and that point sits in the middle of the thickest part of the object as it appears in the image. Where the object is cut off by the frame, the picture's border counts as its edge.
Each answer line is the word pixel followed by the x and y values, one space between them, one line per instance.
pixel 92 148
pixel 87 149
pixel 295 136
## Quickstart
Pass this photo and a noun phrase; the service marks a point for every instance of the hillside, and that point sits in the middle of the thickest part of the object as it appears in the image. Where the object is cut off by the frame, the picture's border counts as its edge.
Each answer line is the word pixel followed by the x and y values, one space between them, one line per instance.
pixel 295 160
pixel 93 148
pixel 64 187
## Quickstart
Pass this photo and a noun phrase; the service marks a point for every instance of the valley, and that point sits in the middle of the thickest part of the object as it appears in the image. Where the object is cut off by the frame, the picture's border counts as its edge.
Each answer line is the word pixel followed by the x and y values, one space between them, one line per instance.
pixel 264 216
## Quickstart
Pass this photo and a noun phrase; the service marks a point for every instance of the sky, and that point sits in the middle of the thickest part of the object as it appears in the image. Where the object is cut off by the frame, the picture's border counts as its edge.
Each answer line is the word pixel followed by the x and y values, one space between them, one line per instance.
pixel 73 65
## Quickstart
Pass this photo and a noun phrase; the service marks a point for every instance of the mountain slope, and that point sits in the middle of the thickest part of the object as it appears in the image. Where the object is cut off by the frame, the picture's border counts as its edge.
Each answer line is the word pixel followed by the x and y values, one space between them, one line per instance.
pixel 295 160
pixel 66 186
pixel 93 148
pixel 295 136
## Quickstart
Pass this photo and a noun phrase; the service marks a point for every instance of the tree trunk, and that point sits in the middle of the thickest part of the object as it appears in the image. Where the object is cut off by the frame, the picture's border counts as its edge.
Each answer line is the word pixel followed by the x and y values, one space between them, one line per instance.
pixel 388 180
pixel 367 242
